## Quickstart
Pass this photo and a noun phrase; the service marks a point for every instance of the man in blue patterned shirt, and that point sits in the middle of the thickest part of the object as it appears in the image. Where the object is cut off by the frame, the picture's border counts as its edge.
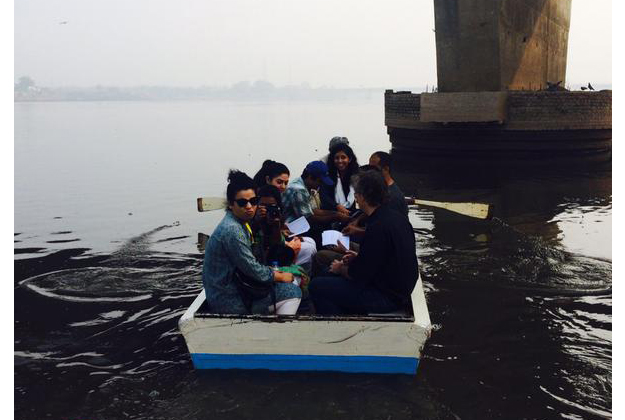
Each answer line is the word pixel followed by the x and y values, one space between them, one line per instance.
pixel 296 200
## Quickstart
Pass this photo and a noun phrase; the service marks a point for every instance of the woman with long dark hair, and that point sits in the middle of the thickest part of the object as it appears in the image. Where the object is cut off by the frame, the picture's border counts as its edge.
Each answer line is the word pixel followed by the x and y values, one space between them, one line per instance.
pixel 342 165
pixel 229 254
pixel 273 173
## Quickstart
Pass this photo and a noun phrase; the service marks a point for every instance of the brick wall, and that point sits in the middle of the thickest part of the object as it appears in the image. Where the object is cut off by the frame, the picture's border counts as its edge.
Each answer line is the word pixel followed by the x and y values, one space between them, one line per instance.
pixel 526 110
pixel 559 110
pixel 402 109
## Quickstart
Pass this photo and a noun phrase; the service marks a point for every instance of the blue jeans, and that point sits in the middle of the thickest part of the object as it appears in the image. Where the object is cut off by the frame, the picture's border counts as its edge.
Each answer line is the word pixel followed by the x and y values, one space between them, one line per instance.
pixel 336 295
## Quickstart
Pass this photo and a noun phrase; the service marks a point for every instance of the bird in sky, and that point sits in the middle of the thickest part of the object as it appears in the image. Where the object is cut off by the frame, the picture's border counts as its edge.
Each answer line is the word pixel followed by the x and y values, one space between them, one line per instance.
pixel 590 87
pixel 63 23
pixel 583 88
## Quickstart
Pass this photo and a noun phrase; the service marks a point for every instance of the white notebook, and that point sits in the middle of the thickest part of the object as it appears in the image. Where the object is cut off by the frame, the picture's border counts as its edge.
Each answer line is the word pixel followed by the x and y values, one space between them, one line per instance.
pixel 298 226
pixel 330 237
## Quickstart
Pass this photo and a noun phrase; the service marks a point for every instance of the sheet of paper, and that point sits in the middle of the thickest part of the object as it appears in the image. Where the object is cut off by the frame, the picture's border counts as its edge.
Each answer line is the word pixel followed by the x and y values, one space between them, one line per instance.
pixel 298 226
pixel 330 237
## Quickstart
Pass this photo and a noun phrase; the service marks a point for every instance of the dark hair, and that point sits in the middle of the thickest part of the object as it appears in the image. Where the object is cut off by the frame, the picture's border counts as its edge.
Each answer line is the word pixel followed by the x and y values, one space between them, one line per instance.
pixel 306 174
pixel 268 190
pixel 372 187
pixel 281 253
pixel 385 160
pixel 270 169
pixel 352 168
pixel 238 181
pixel 368 167
pixel 363 169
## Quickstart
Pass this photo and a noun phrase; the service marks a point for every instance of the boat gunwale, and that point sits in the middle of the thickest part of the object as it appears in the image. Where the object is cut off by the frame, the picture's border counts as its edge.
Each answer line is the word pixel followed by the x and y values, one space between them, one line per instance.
pixel 305 317
pixel 418 317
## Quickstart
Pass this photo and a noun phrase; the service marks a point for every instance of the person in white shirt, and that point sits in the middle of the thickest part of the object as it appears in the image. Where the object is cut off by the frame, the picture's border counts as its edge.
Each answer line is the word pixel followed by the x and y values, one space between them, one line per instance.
pixel 342 165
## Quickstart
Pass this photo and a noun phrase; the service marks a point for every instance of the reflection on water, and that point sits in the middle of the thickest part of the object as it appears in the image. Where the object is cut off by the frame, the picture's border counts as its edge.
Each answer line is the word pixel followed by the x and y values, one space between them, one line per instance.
pixel 522 303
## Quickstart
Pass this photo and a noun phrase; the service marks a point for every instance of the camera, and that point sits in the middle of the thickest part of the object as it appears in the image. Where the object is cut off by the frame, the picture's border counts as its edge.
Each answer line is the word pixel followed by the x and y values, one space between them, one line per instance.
pixel 273 211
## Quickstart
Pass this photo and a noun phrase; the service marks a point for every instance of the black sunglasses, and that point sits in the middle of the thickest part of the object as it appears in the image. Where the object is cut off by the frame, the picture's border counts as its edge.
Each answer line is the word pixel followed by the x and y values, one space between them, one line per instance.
pixel 242 202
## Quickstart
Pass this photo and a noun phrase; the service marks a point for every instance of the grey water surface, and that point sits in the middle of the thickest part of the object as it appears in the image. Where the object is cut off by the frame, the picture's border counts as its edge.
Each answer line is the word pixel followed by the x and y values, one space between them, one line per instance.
pixel 106 261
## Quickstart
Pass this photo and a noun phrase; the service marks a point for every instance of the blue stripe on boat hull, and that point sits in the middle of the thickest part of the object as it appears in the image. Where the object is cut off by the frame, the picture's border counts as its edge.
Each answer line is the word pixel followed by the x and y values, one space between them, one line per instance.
pixel 371 364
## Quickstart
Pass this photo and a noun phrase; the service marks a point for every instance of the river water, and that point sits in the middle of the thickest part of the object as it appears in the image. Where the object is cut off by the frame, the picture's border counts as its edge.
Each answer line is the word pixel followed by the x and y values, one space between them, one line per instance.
pixel 106 261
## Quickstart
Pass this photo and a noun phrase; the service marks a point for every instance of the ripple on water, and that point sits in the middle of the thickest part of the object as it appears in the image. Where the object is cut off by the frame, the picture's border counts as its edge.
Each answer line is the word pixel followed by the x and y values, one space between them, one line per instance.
pixel 90 284
pixel 112 325
pixel 582 326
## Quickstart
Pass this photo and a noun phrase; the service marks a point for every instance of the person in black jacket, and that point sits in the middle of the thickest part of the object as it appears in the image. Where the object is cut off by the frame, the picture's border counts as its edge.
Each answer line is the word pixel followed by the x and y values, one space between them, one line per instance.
pixel 381 276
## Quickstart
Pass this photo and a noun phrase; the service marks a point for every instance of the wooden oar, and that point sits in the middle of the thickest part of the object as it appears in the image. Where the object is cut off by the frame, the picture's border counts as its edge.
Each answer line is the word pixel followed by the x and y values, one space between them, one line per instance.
pixel 477 210
pixel 211 203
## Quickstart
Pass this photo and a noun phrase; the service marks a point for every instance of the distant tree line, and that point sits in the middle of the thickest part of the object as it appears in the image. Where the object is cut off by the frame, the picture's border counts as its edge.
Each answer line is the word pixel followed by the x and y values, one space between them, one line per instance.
pixel 27 90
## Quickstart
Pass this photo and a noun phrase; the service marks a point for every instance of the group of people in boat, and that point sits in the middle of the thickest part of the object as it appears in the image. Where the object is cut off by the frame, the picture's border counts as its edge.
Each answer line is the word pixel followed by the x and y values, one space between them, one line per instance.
pixel 254 264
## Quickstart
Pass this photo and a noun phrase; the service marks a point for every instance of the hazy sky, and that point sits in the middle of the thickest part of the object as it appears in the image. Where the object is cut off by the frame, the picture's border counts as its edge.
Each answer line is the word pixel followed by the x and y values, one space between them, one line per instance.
pixel 342 43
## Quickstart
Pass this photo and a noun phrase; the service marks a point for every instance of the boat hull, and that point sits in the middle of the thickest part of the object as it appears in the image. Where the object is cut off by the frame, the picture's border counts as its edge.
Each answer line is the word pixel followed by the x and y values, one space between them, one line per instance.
pixel 293 362
pixel 390 343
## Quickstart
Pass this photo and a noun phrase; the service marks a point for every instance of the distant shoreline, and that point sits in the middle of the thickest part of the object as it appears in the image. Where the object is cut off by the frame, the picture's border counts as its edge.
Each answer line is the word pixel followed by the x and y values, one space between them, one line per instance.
pixel 241 92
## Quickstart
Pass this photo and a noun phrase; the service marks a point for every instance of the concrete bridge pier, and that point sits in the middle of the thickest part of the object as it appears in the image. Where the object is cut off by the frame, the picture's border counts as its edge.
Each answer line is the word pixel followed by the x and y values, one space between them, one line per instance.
pixel 498 45
pixel 501 68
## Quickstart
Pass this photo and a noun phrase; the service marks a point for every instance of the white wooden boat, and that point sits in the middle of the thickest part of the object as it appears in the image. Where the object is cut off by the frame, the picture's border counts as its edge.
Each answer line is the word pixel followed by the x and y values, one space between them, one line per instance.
pixel 378 343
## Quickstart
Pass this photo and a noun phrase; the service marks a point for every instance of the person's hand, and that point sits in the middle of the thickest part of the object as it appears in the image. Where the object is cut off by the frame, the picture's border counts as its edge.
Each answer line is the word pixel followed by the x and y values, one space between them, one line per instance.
pixel 342 217
pixel 295 243
pixel 282 277
pixel 342 209
pixel 336 266
pixel 351 229
pixel 261 212
pixel 340 247
pixel 348 257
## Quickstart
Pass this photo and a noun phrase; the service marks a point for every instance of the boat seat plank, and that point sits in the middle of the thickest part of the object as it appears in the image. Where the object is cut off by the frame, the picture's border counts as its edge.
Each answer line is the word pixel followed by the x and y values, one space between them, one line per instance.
pixel 400 313
pixel 403 316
